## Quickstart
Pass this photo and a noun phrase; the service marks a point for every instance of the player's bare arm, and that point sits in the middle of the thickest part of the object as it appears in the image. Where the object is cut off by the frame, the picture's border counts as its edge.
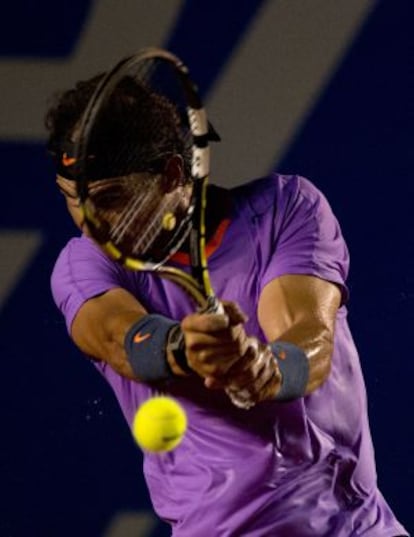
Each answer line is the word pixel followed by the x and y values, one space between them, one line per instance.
pixel 294 309
pixel 101 324
pixel 302 310
pixel 100 327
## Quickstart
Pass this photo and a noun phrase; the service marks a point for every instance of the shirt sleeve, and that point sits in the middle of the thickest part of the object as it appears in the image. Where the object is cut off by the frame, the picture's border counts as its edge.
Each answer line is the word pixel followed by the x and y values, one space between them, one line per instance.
pixel 82 271
pixel 306 236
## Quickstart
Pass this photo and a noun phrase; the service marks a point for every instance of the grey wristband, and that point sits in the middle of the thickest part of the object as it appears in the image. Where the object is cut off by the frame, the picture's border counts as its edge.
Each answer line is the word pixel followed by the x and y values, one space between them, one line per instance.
pixel 145 346
pixel 294 368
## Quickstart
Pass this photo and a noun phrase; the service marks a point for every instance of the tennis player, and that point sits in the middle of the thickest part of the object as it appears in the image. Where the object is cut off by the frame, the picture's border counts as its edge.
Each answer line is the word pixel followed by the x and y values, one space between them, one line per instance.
pixel 300 462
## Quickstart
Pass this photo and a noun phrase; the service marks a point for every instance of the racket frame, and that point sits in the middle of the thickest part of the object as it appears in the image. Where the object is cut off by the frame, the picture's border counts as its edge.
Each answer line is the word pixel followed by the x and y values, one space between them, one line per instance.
pixel 198 284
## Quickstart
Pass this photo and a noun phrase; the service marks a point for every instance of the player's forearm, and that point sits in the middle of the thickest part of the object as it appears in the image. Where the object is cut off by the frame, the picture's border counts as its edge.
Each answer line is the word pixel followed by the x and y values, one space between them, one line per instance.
pixel 103 340
pixel 294 364
pixel 301 310
pixel 116 329
pixel 316 340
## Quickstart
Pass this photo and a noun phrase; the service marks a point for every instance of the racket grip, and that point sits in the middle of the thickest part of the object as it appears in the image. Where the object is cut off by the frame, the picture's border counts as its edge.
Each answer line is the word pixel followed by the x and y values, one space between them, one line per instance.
pixel 239 398
pixel 213 306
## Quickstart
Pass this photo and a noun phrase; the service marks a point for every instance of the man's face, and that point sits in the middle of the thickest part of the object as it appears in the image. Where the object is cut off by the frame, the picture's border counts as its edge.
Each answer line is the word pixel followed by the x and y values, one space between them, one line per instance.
pixel 132 211
pixel 112 196
pixel 107 189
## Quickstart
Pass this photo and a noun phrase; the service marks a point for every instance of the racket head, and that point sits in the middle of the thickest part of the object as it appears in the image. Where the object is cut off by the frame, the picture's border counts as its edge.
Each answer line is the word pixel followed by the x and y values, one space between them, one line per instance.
pixel 144 122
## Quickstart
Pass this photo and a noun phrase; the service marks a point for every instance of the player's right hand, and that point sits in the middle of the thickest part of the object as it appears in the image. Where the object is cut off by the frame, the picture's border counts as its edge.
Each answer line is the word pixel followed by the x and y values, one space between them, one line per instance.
pixel 254 378
pixel 215 342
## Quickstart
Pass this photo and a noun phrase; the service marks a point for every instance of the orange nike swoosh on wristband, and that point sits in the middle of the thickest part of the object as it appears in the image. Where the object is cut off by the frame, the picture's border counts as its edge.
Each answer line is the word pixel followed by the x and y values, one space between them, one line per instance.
pixel 138 338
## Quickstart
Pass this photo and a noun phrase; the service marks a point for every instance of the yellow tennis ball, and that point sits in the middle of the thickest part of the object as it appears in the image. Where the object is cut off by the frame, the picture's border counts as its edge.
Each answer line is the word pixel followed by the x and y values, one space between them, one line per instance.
pixel 159 424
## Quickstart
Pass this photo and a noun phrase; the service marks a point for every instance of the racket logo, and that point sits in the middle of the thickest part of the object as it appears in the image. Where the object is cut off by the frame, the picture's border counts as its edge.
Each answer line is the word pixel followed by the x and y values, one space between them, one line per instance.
pixel 139 338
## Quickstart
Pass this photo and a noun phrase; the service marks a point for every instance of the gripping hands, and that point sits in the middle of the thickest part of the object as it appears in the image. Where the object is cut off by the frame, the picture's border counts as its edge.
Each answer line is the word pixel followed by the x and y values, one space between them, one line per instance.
pixel 218 350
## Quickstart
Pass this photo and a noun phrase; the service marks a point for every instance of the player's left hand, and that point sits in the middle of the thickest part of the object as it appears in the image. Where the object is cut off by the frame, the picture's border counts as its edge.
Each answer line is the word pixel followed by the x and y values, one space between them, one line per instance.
pixel 254 378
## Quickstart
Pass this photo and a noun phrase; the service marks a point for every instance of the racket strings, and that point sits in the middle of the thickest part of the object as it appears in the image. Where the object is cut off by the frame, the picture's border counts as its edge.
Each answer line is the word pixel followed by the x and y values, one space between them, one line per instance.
pixel 137 126
pixel 138 122
pixel 136 212
pixel 141 213
pixel 130 214
pixel 147 215
pixel 153 229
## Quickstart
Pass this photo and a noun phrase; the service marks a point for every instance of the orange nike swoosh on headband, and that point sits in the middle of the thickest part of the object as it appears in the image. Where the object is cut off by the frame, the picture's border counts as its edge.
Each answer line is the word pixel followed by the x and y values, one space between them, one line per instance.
pixel 67 161
pixel 138 338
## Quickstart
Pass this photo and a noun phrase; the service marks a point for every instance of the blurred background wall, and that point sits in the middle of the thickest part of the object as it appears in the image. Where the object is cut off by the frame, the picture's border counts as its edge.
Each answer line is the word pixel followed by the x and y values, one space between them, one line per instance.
pixel 317 87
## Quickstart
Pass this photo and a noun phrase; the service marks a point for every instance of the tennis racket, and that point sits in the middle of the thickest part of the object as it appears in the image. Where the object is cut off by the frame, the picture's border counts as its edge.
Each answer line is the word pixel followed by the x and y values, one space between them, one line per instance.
pixel 144 114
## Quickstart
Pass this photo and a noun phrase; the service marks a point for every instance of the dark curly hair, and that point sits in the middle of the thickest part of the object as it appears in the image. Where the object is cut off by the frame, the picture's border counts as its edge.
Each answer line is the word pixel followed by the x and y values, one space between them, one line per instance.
pixel 136 130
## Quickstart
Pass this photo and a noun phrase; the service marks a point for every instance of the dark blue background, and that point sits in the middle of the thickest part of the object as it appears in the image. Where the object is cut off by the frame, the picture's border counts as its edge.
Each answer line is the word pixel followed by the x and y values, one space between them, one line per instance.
pixel 67 461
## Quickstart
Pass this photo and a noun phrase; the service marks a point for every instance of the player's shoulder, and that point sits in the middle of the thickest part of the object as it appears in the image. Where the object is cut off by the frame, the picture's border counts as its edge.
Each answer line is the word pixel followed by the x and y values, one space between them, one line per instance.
pixel 79 256
pixel 79 247
pixel 274 190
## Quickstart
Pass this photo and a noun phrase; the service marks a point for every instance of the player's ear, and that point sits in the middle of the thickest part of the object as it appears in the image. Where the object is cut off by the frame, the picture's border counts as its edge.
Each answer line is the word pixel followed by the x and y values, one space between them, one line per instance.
pixel 174 172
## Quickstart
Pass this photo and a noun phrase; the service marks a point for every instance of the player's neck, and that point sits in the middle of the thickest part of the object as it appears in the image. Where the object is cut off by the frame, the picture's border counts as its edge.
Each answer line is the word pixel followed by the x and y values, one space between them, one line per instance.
pixel 218 209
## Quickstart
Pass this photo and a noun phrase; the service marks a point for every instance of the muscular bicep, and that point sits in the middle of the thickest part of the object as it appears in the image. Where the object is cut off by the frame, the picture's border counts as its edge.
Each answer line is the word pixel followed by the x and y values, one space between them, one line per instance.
pixel 100 326
pixel 302 310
